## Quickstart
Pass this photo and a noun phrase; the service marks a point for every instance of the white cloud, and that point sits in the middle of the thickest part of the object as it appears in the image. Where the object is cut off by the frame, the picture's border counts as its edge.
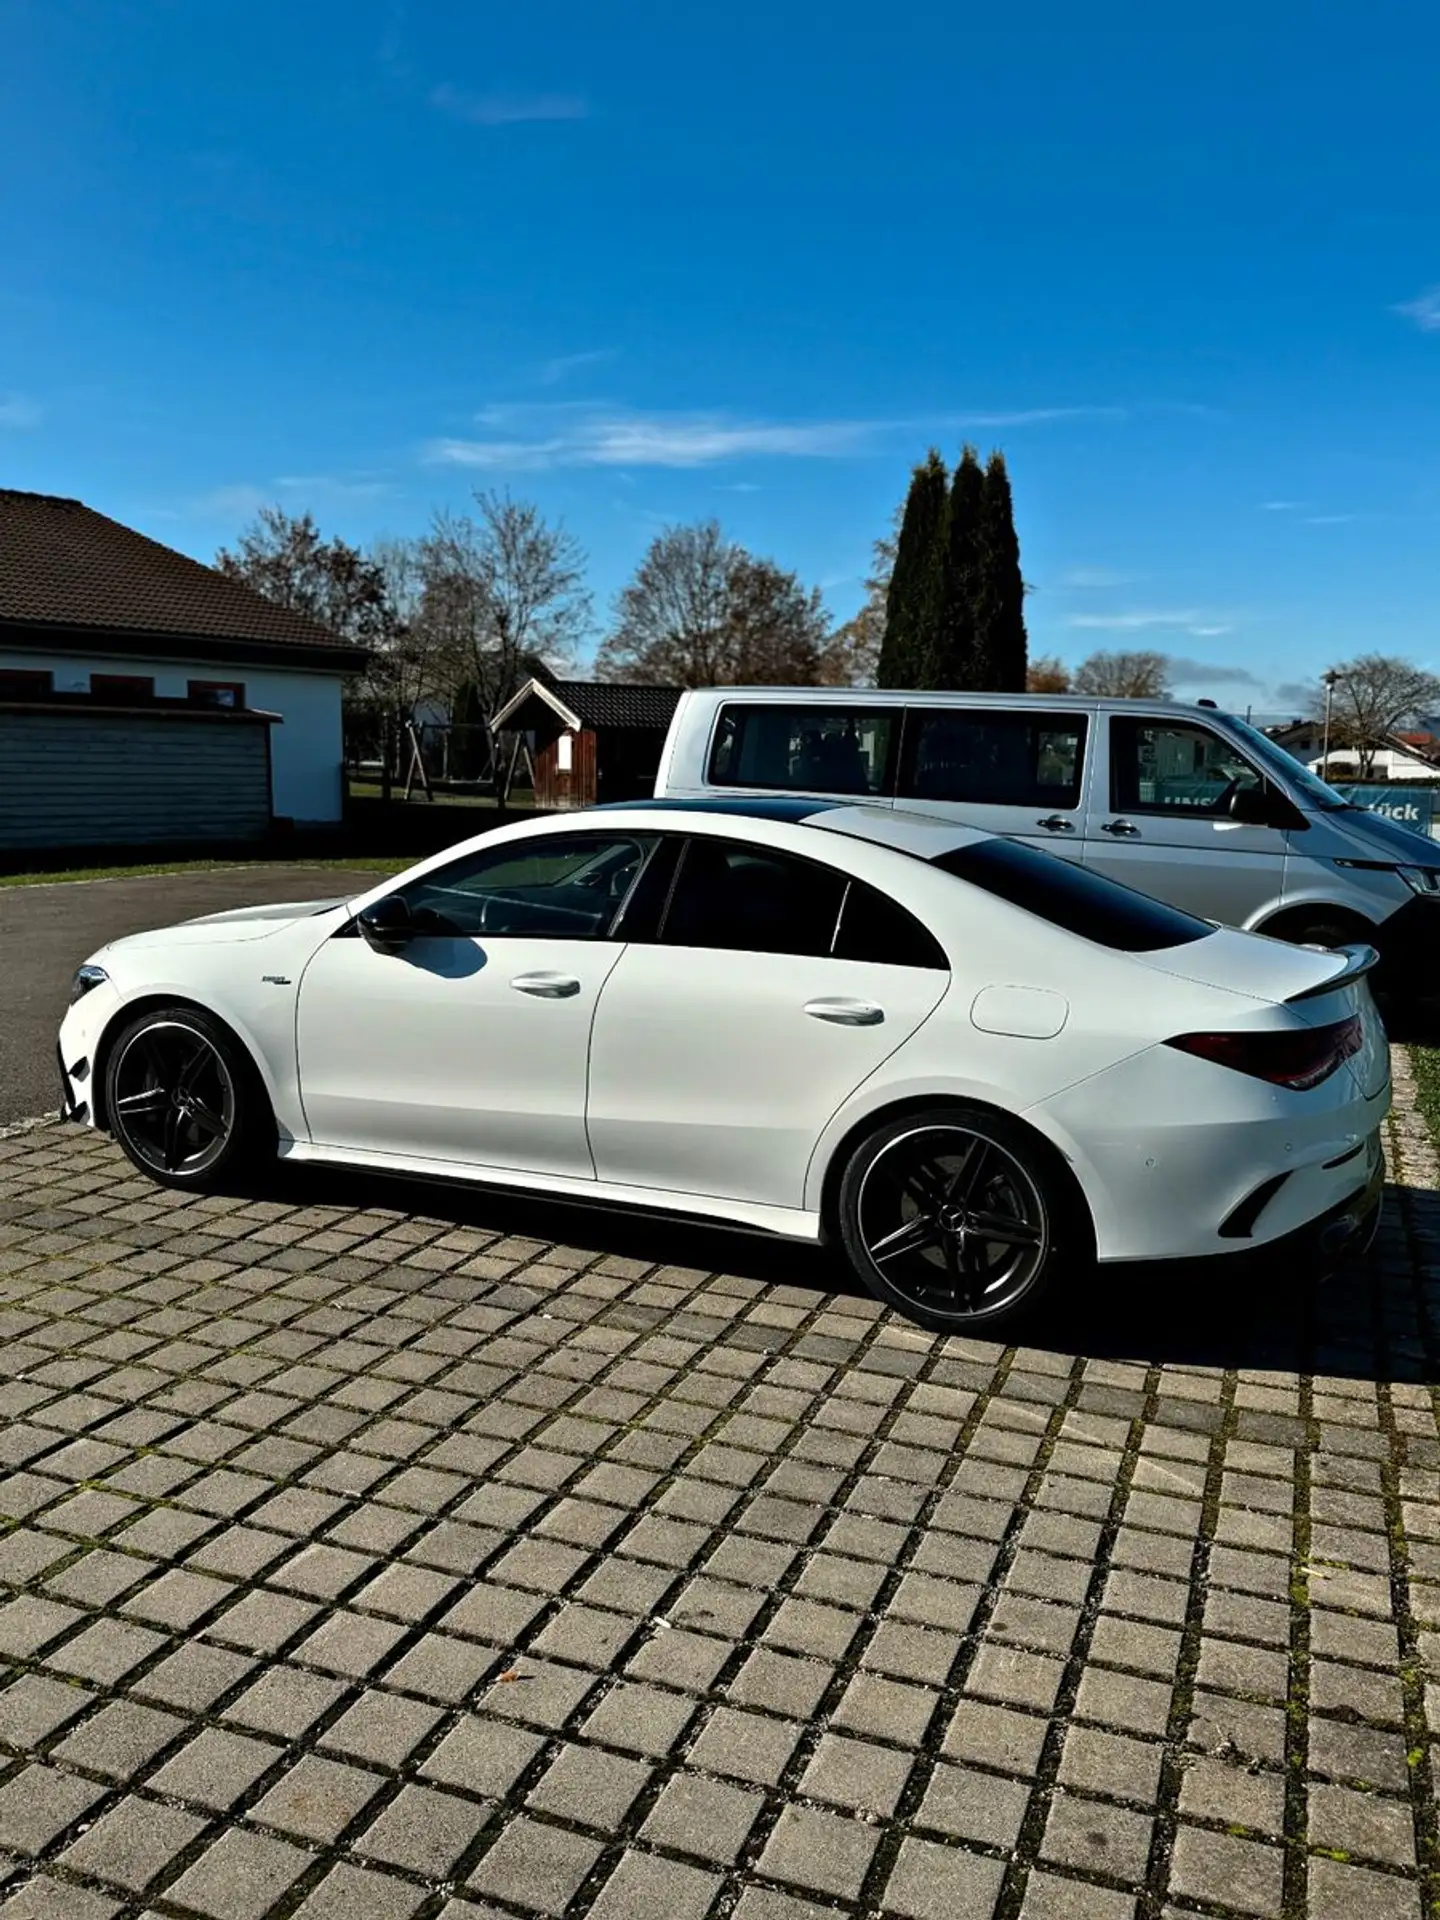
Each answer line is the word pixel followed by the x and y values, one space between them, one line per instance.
pixel 1424 311
pixel 1191 620
pixel 1328 519
pixel 1084 578
pixel 1281 506
pixel 552 372
pixel 18 411
pixel 238 502
pixel 335 486
pixel 529 439
pixel 506 109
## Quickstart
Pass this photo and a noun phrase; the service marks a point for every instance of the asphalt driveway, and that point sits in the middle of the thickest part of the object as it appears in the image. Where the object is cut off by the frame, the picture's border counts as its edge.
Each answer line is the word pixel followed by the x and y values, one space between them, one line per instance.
pixel 46 931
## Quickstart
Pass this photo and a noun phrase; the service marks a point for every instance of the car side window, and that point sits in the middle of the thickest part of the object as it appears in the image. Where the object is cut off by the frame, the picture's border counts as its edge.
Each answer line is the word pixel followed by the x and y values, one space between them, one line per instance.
pixel 876 928
pixel 803 749
pixel 563 887
pixel 752 900
pixel 993 757
pixel 1174 767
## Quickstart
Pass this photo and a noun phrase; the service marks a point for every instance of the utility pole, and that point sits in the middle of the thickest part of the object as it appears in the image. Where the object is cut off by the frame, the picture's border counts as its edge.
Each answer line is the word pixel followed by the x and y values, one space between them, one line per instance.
pixel 1330 677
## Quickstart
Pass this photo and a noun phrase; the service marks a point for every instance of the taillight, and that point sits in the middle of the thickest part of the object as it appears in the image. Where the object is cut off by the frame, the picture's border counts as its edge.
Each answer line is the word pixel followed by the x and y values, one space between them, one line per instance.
pixel 1298 1059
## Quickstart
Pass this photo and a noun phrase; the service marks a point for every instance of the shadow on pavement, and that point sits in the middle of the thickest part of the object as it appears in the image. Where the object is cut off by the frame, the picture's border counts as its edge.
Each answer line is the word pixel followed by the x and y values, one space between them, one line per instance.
pixel 1371 1320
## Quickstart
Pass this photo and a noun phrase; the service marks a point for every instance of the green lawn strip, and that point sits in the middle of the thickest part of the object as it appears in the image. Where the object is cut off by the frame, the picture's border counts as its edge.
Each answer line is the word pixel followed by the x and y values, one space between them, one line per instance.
pixel 1425 1063
pixel 386 865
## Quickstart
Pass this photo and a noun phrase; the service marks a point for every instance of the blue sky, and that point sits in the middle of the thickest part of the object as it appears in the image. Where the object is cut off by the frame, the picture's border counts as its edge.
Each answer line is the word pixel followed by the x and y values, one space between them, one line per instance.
pixel 649 263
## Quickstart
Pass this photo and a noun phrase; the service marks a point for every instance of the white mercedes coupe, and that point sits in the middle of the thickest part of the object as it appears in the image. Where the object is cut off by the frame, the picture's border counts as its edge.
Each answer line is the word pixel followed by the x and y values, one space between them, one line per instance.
pixel 973 1066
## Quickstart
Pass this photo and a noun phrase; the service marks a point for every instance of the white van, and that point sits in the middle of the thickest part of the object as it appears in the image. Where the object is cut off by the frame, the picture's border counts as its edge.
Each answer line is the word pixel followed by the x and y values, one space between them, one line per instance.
pixel 1186 803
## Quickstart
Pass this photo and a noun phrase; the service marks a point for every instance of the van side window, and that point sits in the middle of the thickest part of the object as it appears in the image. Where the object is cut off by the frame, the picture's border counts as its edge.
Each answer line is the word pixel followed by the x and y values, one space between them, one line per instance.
pixel 991 757
pixel 803 749
pixel 1159 766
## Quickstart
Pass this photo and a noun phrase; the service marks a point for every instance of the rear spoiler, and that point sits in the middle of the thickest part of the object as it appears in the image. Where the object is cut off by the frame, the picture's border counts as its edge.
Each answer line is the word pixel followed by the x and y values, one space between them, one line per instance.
pixel 1359 960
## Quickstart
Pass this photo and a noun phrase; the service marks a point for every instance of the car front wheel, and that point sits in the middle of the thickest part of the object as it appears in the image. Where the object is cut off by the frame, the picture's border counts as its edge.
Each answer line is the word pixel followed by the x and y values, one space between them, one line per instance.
pixel 959 1218
pixel 182 1099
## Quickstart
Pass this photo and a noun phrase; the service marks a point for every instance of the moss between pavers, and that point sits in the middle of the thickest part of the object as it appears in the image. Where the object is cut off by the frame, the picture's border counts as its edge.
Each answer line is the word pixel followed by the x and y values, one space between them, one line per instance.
pixel 1425 1062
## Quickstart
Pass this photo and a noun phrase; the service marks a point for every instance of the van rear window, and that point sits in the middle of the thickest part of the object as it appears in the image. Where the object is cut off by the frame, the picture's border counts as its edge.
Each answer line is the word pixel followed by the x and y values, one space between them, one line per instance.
pixel 801 749
pixel 1072 897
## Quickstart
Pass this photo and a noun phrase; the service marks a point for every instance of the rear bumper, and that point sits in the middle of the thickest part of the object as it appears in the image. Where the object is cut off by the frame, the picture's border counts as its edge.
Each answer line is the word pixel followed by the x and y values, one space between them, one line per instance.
pixel 1343 1232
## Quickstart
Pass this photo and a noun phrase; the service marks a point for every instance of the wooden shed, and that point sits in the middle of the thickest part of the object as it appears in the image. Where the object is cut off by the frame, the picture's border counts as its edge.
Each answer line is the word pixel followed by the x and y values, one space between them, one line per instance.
pixel 589 740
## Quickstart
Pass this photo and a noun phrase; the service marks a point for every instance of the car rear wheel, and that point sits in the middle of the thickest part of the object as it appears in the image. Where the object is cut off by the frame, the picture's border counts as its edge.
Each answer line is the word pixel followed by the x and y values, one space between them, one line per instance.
pixel 959 1218
pixel 182 1099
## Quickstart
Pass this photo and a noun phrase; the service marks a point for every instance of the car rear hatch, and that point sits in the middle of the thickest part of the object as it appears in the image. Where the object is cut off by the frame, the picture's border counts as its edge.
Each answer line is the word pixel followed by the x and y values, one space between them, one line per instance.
pixel 1321 986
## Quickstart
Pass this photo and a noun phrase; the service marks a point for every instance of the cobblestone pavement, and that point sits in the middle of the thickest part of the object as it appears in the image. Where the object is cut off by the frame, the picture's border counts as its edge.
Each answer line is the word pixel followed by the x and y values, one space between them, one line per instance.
pixel 369 1554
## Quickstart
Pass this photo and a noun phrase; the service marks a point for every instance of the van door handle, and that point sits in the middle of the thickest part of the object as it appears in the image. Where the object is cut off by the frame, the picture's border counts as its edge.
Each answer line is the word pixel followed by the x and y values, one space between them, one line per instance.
pixel 546 986
pixel 1056 823
pixel 1118 827
pixel 846 1013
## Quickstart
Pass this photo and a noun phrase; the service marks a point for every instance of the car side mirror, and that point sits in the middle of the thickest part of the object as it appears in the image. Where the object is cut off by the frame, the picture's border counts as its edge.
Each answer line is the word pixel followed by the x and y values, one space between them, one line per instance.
pixel 387 926
pixel 1258 807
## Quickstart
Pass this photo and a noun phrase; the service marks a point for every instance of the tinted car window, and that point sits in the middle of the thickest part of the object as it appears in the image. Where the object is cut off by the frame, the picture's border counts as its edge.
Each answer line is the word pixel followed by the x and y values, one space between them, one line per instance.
pixel 1172 767
pixel 876 928
pixel 803 749
pixel 567 887
pixel 750 900
pixel 992 757
pixel 1073 897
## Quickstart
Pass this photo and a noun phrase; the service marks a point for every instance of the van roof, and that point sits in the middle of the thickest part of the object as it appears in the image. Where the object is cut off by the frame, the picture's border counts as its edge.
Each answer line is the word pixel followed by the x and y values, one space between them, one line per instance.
pixel 904 696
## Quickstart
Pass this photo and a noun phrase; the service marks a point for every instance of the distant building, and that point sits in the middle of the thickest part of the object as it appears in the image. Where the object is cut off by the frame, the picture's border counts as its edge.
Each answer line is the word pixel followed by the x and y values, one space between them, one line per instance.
pixel 145 697
pixel 589 740
pixel 1410 755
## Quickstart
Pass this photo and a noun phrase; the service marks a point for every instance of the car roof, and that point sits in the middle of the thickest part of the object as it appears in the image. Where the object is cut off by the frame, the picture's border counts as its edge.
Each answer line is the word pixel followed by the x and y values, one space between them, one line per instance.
pixel 906 829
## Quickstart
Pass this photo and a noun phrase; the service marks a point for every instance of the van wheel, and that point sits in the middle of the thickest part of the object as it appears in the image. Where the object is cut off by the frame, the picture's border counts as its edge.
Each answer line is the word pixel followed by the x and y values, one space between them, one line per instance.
pixel 1323 930
pixel 184 1100
pixel 957 1217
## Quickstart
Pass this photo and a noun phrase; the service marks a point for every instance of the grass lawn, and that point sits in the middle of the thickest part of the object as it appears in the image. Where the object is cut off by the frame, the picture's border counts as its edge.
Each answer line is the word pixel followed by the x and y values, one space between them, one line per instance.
pixel 388 865
pixel 1426 1063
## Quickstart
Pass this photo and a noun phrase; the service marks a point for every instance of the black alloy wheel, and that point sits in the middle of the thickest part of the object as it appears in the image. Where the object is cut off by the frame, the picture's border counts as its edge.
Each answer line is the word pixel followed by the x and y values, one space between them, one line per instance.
pixel 180 1099
pixel 956 1218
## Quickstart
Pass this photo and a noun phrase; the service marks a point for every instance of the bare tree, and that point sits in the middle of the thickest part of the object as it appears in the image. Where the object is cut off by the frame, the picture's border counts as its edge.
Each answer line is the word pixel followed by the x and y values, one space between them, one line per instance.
pixel 1139 675
pixel 332 583
pixel 1047 674
pixel 702 612
pixel 1373 697
pixel 851 655
pixel 500 590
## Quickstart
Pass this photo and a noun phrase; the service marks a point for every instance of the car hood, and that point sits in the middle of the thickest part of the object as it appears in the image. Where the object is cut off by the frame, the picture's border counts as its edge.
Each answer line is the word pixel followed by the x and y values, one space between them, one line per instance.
pixel 235 924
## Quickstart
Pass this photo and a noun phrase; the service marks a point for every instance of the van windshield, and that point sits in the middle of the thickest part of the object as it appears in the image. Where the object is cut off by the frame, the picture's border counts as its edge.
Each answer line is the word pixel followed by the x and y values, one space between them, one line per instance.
pixel 1286 767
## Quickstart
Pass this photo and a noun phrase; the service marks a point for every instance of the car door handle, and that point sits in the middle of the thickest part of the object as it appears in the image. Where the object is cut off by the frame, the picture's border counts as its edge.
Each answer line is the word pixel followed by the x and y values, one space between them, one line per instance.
pixel 547 986
pixel 1118 827
pixel 1056 823
pixel 846 1013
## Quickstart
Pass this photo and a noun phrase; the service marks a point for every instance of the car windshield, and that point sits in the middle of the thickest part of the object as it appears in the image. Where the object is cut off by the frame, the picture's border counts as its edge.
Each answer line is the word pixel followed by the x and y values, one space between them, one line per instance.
pixel 1294 773
pixel 1072 897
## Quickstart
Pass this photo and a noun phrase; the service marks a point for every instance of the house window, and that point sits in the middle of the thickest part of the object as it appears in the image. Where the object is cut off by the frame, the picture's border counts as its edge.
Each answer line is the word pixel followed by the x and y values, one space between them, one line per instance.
pixel 23 683
pixel 122 689
pixel 216 693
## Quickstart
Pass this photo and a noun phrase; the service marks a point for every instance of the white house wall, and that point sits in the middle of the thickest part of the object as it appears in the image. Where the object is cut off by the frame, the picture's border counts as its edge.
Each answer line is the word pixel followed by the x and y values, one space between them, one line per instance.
pixel 306 751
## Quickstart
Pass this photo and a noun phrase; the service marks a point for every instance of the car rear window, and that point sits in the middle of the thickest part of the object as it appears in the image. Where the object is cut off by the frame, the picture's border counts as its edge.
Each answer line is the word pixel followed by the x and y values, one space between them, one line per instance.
pixel 1072 897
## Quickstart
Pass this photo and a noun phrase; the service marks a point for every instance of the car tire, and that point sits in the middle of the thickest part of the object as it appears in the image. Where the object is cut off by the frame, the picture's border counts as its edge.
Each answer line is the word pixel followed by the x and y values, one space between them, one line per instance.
pixel 184 1100
pixel 917 1196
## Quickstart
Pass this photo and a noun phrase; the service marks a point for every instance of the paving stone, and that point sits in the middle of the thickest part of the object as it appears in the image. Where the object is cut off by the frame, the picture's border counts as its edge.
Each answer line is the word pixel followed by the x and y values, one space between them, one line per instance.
pixel 930 1881
pixel 241 1877
pixel 639 1719
pixel 644 1887
pixel 746 1746
pixel 134 1843
pixel 215 1768
pixel 1337 1891
pixel 856 1774
pixel 382 1728
pixel 973 1806
pixel 995 1737
pixel 1096 1838
pixel 587 1785
pixel 285 1701
pixel 782 1682
pixel 819 1851
pixel 705 1818
pixel 39 1803
pixel 1218 1789
pixel 347 1893
pixel 35 1706
pixel 1241 1874
pixel 1366 1824
pixel 317 1799
pixel 482 1756
pixel 1048 1897
pixel 423 1831
pixel 121 1739
pixel 44 1898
